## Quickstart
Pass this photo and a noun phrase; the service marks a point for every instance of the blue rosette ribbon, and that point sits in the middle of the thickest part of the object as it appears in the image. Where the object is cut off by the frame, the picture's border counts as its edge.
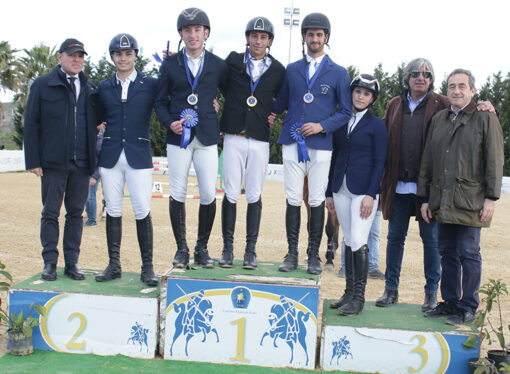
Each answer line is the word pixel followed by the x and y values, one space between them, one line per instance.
pixel 190 120
pixel 295 133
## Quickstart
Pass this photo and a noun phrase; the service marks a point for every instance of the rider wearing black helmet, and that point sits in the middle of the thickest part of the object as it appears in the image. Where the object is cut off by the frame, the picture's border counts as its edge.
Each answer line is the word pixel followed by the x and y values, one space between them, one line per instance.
pixel 188 82
pixel 315 93
pixel 254 80
pixel 127 99
pixel 357 165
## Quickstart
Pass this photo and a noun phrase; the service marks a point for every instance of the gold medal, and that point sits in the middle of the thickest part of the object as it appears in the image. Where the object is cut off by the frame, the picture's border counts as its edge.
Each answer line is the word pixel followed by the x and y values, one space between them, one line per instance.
pixel 308 98
pixel 251 101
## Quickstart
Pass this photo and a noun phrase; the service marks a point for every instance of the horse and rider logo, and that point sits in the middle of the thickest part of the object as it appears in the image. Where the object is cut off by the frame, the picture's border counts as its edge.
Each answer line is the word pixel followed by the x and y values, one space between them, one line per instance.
pixel 193 318
pixel 138 335
pixel 287 324
pixel 341 348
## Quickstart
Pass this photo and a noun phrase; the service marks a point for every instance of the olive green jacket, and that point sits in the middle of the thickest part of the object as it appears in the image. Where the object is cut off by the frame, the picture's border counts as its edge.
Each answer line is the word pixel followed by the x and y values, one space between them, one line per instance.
pixel 462 165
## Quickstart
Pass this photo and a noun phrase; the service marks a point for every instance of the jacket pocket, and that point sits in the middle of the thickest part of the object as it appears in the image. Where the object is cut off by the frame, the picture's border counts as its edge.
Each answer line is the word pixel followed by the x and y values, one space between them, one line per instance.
pixel 434 197
pixel 468 195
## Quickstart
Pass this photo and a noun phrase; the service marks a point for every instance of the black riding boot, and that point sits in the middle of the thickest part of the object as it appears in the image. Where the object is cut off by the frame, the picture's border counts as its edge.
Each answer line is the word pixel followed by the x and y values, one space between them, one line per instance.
pixel 292 223
pixel 349 281
pixel 178 221
pixel 144 233
pixel 253 216
pixel 113 236
pixel 314 239
pixel 228 224
pixel 206 215
pixel 332 234
pixel 360 270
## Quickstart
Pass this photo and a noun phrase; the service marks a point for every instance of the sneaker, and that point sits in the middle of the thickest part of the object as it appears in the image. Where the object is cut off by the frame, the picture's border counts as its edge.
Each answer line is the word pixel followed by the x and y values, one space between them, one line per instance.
pixel 443 309
pixel 460 317
pixel 341 273
pixel 90 223
pixel 375 274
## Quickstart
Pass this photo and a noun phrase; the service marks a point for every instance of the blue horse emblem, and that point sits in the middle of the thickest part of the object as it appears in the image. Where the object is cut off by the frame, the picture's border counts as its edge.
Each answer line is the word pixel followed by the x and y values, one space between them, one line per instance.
pixel 287 324
pixel 193 317
pixel 138 335
pixel 341 348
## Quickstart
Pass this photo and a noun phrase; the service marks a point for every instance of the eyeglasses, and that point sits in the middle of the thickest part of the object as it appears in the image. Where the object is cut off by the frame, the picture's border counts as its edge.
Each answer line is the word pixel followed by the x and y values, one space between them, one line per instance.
pixel 425 74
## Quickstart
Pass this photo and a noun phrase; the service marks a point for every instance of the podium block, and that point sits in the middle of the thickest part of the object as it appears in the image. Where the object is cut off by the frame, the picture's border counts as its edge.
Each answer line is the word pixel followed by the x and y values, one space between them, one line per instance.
pixel 116 317
pixel 236 316
pixel 392 340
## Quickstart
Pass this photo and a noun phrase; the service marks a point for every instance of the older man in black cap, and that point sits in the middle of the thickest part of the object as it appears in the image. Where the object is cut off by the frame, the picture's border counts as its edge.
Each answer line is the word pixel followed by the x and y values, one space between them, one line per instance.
pixel 60 137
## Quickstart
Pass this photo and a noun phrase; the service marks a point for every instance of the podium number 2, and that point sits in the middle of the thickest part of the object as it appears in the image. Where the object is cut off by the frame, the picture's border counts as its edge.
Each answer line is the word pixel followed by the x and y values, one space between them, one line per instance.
pixel 420 351
pixel 241 329
pixel 71 344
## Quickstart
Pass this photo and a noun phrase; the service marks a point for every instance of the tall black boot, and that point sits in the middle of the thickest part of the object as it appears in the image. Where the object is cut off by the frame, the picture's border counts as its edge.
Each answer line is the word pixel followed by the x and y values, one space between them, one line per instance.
pixel 144 233
pixel 360 270
pixel 314 239
pixel 113 236
pixel 349 281
pixel 206 215
pixel 292 223
pixel 253 216
pixel 228 224
pixel 332 234
pixel 178 221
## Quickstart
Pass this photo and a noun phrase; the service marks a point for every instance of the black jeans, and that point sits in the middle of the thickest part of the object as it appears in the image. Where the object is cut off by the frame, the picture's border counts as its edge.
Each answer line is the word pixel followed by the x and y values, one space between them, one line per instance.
pixel 70 186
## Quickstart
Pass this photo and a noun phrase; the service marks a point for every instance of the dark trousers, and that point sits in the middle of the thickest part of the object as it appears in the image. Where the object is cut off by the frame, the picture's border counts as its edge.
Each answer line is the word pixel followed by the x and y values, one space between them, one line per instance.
pixel 72 187
pixel 404 206
pixel 459 247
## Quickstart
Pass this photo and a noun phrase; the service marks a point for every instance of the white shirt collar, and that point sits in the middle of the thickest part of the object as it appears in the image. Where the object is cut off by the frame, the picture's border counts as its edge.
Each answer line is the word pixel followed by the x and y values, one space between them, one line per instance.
pixel 130 78
pixel 317 59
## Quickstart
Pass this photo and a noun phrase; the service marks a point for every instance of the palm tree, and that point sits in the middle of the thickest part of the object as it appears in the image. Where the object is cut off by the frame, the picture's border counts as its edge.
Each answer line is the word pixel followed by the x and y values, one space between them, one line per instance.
pixel 39 60
pixel 8 63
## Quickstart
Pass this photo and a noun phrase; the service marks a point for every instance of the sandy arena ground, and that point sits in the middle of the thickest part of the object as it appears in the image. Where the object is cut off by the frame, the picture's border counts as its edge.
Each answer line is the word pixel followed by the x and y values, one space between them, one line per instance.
pixel 20 250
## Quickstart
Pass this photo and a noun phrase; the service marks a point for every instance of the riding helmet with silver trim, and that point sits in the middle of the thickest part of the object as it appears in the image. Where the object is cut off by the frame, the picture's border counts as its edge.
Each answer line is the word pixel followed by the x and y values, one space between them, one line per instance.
pixel 260 24
pixel 192 17
pixel 123 42
pixel 366 81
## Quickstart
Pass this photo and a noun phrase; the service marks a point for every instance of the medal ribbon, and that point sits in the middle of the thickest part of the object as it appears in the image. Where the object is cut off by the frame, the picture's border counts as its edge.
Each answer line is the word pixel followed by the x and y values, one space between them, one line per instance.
pixel 316 74
pixel 253 85
pixel 188 74
pixel 191 120
pixel 295 133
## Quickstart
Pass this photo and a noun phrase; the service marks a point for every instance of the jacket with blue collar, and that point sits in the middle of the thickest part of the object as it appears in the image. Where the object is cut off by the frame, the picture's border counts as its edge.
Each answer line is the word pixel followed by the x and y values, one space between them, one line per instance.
pixel 127 123
pixel 330 90
pixel 360 157
pixel 174 89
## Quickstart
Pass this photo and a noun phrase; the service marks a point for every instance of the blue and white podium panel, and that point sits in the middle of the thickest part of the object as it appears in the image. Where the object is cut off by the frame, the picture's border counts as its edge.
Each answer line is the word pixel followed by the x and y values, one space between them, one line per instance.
pixel 90 323
pixel 370 350
pixel 240 323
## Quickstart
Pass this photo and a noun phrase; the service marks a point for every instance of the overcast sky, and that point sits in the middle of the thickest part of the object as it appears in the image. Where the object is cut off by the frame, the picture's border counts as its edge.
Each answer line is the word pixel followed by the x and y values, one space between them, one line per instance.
pixel 450 33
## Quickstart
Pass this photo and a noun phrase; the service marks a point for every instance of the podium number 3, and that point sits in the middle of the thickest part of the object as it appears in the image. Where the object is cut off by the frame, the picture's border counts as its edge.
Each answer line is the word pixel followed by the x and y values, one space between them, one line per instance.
pixel 71 344
pixel 420 351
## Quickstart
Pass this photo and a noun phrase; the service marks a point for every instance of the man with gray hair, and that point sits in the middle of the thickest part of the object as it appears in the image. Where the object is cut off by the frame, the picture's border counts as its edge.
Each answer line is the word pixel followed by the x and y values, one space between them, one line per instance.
pixel 407 119
pixel 460 180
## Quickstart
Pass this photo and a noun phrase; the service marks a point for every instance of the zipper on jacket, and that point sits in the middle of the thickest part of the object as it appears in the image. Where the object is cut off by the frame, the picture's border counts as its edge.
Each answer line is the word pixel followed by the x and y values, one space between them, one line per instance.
pixel 75 130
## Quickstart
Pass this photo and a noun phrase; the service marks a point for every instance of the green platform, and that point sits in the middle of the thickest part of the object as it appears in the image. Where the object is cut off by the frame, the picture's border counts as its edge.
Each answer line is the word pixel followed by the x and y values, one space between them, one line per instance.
pixel 128 285
pixel 267 272
pixel 399 317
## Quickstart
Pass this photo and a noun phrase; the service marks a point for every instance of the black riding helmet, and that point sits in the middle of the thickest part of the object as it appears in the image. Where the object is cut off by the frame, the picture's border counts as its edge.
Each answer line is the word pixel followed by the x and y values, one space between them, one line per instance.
pixel 366 81
pixel 123 42
pixel 316 21
pixel 260 24
pixel 193 16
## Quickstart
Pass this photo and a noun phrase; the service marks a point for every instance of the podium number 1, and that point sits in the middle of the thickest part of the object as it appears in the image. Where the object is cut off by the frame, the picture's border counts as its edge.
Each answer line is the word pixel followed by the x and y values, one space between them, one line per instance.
pixel 241 329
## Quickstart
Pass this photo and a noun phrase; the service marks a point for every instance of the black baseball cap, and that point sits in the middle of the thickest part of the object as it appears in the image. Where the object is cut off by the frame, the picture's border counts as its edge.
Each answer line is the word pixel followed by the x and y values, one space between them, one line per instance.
pixel 71 46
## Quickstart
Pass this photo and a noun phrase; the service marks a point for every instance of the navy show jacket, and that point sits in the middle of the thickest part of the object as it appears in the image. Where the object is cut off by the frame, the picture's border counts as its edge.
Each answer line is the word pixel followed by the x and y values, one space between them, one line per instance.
pixel 174 89
pixel 127 123
pixel 331 106
pixel 360 157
